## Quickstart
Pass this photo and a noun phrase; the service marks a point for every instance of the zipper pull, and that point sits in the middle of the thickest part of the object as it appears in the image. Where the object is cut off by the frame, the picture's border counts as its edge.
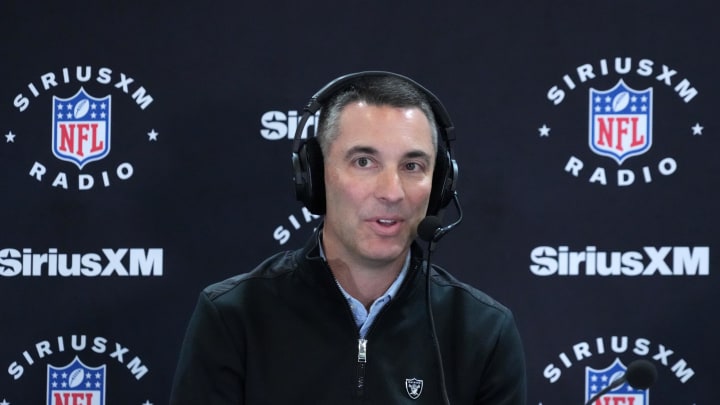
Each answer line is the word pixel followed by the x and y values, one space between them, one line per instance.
pixel 362 350
pixel 362 364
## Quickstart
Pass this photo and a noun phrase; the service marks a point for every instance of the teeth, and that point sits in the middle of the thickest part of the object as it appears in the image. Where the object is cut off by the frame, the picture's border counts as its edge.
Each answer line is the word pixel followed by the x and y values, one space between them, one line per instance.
pixel 386 221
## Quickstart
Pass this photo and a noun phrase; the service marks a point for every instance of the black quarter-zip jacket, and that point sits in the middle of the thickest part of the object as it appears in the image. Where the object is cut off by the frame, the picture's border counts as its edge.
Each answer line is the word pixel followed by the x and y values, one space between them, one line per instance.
pixel 284 334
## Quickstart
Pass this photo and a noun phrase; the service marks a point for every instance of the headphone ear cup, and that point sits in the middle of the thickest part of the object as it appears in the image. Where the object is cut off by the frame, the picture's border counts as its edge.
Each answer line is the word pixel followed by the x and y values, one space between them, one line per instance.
pixel 310 176
pixel 444 181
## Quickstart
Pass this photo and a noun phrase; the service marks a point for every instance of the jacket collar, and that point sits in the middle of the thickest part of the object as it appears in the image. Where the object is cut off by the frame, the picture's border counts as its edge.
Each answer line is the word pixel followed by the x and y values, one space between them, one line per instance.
pixel 309 259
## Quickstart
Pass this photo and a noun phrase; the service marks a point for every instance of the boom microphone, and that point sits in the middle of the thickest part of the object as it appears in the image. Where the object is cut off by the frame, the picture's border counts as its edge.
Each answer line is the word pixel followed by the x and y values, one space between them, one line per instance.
pixel 430 228
pixel 640 374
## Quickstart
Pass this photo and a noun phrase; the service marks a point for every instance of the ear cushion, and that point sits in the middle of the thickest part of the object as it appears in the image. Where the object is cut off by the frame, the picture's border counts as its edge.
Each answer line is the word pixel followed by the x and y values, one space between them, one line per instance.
pixel 444 181
pixel 310 176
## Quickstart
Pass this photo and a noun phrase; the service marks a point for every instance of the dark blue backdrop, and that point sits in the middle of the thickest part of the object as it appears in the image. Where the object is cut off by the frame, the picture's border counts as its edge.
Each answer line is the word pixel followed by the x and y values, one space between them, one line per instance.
pixel 596 226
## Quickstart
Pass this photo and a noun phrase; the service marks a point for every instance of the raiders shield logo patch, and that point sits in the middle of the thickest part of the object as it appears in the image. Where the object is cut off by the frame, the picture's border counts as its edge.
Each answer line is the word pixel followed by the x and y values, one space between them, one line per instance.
pixel 414 387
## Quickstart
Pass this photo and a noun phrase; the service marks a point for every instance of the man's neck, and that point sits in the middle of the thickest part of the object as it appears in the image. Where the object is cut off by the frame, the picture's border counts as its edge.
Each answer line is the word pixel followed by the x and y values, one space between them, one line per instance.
pixel 364 283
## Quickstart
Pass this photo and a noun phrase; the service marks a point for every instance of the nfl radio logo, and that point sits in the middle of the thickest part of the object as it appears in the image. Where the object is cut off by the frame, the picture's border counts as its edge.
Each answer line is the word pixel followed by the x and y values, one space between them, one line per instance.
pixel 81 128
pixel 596 380
pixel 76 384
pixel 620 121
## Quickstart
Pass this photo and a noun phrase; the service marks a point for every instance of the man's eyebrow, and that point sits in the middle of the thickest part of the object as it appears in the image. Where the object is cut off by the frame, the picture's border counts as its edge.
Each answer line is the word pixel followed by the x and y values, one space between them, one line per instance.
pixel 367 150
pixel 418 154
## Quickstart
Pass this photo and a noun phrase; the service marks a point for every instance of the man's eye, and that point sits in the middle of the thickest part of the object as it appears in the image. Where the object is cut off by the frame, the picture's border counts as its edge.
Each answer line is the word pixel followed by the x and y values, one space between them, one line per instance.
pixel 363 162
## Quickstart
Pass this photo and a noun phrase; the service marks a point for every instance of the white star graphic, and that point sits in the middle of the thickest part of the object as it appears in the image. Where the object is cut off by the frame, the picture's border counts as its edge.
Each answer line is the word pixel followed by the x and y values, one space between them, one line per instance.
pixel 144 403
pixel 152 135
pixel 544 130
pixel 5 402
pixel 697 129
pixel 9 137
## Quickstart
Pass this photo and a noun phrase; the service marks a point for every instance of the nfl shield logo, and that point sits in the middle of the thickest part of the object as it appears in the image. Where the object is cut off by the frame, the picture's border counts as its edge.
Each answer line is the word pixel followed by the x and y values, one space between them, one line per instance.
pixel 620 121
pixel 76 383
pixel 596 380
pixel 414 387
pixel 81 128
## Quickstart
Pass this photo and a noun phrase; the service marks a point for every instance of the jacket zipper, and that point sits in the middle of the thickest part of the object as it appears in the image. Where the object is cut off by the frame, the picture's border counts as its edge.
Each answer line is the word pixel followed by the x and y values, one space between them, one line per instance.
pixel 362 353
pixel 362 343
pixel 362 364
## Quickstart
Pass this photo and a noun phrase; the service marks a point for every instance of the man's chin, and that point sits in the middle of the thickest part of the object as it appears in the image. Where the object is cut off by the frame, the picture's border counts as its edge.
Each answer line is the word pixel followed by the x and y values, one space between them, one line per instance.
pixel 383 253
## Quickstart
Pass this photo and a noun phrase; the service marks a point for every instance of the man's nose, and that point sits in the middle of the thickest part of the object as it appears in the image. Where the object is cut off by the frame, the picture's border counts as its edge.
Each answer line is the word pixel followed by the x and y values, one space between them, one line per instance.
pixel 389 186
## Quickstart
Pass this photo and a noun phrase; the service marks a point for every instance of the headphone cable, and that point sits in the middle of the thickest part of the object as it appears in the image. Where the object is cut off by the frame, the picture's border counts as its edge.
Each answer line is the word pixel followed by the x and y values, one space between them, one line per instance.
pixel 436 342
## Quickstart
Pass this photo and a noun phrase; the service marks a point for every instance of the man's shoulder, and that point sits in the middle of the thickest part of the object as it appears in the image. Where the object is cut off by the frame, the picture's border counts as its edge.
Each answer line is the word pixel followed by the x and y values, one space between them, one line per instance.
pixel 277 265
pixel 469 294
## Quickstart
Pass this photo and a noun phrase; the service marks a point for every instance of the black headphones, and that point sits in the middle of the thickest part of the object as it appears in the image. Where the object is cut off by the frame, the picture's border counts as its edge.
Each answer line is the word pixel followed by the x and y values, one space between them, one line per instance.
pixel 307 159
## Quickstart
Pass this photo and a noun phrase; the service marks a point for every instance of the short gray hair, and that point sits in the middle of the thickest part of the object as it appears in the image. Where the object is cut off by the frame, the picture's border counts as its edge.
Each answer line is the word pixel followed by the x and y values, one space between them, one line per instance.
pixel 377 91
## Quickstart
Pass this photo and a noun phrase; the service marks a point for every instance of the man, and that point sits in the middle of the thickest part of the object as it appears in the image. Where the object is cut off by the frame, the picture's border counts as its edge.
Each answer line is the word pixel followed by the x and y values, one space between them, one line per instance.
pixel 345 319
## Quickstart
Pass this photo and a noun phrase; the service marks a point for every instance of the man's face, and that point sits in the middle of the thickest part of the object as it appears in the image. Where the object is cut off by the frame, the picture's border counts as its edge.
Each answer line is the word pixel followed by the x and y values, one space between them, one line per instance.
pixel 378 178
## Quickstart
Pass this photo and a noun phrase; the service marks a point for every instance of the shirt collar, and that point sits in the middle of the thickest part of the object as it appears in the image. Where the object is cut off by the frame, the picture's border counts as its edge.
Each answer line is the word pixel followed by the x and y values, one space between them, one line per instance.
pixel 394 287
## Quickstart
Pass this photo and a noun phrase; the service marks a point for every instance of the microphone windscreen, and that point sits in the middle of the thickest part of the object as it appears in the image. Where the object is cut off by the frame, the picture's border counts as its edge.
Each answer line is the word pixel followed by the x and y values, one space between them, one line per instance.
pixel 641 374
pixel 428 226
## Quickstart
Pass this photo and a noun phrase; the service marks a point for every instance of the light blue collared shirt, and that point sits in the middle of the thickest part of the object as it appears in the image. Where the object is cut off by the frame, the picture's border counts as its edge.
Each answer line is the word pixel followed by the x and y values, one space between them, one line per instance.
pixel 363 317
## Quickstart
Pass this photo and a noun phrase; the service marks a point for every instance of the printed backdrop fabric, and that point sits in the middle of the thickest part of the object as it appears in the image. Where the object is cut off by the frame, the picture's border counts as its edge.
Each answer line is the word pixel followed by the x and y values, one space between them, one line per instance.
pixel 145 153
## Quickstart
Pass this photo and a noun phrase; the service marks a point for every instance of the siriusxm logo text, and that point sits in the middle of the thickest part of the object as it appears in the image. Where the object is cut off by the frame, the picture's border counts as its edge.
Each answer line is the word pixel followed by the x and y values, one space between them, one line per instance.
pixel 122 262
pixel 278 125
pixel 623 66
pixel 624 345
pixel 79 344
pixel 85 74
pixel 662 261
